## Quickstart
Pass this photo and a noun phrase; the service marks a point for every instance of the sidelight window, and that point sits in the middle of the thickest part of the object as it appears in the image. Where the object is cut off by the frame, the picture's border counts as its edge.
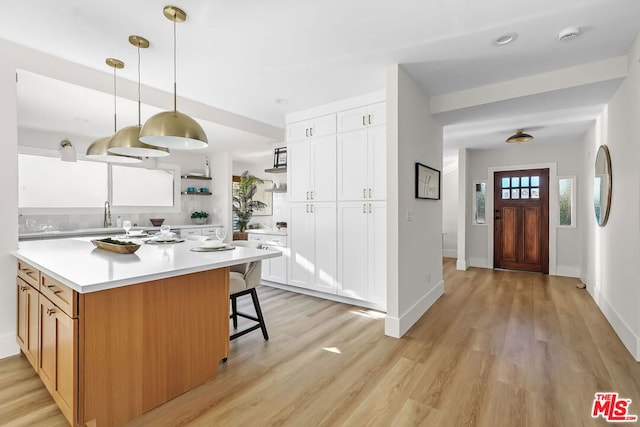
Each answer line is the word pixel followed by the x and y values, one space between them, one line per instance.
pixel 567 199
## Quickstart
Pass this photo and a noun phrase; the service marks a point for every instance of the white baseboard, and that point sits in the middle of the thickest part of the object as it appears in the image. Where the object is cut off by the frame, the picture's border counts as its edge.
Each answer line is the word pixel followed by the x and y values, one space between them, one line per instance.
pixel 568 271
pixel 332 297
pixel 397 327
pixel 478 262
pixel 8 345
pixel 450 253
pixel 461 265
pixel 630 340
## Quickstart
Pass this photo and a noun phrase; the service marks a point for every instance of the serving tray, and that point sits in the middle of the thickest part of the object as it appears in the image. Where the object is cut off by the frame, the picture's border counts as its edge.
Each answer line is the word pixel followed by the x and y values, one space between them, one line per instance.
pixel 127 248
pixel 163 242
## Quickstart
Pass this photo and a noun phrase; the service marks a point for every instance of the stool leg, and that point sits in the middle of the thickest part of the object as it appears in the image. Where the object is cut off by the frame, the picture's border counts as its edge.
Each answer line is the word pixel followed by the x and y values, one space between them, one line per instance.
pixel 256 305
pixel 234 311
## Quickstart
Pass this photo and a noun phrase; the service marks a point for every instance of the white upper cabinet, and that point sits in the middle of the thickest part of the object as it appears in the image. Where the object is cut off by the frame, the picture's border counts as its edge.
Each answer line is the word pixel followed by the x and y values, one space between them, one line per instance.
pixel 319 126
pixel 311 170
pixel 362 117
pixel 362 164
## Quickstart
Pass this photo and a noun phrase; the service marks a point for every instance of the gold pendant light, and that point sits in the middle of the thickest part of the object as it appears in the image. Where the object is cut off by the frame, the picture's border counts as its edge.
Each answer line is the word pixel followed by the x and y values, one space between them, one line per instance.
pixel 519 136
pixel 98 149
pixel 173 129
pixel 127 140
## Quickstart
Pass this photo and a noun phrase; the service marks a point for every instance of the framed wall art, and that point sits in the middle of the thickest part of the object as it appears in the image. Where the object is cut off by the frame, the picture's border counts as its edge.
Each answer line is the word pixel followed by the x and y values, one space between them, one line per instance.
pixel 427 182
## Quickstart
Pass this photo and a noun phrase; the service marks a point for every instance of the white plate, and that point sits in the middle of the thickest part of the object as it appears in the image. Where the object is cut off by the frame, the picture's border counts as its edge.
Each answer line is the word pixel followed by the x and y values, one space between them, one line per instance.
pixel 213 244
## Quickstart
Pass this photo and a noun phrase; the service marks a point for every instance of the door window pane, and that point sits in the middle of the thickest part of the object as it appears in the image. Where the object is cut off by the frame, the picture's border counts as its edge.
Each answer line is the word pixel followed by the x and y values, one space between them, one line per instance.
pixel 515 193
pixel 506 194
pixel 515 181
pixel 535 181
pixel 535 193
pixel 505 182
pixel 524 193
pixel 524 181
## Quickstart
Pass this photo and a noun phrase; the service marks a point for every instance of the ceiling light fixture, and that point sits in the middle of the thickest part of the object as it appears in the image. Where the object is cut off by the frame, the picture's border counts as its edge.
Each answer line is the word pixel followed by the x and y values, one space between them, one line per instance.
pixel 569 33
pixel 98 149
pixel 519 136
pixel 127 140
pixel 505 39
pixel 281 101
pixel 173 129
pixel 67 152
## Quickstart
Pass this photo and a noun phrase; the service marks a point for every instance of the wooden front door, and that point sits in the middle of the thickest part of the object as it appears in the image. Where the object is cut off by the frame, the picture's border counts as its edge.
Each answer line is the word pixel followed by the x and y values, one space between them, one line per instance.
pixel 521 220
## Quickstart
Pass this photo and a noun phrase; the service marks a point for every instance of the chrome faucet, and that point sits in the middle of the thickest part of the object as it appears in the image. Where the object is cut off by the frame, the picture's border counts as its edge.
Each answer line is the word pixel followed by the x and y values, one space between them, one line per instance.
pixel 107 215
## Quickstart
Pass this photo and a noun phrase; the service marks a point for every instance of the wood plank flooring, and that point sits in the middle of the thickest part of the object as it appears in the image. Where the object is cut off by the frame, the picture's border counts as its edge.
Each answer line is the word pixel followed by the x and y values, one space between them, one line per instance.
pixel 498 349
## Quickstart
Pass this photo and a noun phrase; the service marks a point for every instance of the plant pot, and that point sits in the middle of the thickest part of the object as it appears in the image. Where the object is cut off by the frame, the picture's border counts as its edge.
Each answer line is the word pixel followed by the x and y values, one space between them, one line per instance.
pixel 199 221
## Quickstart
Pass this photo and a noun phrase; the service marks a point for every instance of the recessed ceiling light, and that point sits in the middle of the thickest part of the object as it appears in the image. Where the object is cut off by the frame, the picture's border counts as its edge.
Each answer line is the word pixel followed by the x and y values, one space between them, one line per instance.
pixel 281 101
pixel 569 33
pixel 505 39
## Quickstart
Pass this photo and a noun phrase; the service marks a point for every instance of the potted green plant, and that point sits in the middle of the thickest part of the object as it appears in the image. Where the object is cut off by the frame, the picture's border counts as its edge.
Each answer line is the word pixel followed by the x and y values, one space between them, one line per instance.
pixel 243 203
pixel 199 217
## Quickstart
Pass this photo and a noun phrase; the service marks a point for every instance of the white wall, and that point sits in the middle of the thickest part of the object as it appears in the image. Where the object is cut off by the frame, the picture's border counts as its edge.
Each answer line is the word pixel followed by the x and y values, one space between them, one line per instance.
pixel 563 154
pixel 450 210
pixel 9 209
pixel 610 253
pixel 414 233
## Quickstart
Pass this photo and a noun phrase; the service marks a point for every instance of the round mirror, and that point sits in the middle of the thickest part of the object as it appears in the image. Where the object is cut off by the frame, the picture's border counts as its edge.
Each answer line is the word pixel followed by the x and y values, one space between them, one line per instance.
pixel 602 186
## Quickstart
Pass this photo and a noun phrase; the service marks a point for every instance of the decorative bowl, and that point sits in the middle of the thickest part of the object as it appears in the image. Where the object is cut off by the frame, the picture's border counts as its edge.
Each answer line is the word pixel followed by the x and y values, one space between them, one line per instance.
pixel 117 246
pixel 157 222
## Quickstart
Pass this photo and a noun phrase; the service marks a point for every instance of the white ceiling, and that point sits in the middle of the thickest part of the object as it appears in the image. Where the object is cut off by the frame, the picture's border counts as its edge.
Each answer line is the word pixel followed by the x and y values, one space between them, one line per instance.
pixel 241 55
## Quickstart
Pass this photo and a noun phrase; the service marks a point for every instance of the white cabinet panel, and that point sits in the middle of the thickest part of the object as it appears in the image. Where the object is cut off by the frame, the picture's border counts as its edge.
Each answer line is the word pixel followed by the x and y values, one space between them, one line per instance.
pixel 352 165
pixel 362 117
pixel 377 163
pixel 319 126
pixel 298 171
pixel 209 231
pixel 190 232
pixel 323 169
pixel 277 268
pixel 301 245
pixel 352 249
pixel 362 257
pixel 325 265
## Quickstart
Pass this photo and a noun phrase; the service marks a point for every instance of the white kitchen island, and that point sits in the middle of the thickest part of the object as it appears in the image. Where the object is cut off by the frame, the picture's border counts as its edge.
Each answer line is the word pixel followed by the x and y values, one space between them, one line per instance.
pixel 115 335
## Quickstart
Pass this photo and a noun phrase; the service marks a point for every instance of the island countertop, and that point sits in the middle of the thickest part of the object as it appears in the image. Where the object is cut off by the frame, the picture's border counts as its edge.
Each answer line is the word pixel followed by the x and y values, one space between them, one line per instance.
pixel 76 263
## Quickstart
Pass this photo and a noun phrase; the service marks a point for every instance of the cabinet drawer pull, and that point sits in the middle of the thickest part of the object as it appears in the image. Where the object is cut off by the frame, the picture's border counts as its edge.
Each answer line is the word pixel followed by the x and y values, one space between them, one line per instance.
pixel 50 311
pixel 54 289
pixel 364 123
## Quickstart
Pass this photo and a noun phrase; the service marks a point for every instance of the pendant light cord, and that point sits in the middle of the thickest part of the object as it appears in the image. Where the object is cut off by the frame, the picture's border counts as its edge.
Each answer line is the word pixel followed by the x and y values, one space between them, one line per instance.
pixel 139 114
pixel 115 104
pixel 175 86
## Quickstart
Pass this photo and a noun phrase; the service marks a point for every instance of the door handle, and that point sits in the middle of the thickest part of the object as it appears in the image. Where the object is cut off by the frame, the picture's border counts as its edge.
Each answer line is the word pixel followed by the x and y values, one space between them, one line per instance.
pixel 497 217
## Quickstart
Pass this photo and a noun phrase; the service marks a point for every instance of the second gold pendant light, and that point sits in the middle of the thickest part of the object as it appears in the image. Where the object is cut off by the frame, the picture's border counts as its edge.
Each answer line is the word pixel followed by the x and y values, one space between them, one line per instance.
pixel 173 129
pixel 127 140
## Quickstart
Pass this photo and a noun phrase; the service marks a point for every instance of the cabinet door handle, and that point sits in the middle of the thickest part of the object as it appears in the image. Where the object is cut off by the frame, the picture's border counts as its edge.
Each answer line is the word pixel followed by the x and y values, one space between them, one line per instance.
pixel 306 208
pixel 311 208
pixel 54 289
pixel 306 132
pixel 50 311
pixel 310 131
pixel 311 195
pixel 369 193
pixel 23 288
pixel 364 208
pixel 369 207
pixel 364 123
pixel 369 118
pixel 364 193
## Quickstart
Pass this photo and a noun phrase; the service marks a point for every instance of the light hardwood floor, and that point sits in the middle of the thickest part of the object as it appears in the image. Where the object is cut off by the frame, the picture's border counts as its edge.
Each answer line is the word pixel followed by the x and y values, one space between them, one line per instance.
pixel 498 349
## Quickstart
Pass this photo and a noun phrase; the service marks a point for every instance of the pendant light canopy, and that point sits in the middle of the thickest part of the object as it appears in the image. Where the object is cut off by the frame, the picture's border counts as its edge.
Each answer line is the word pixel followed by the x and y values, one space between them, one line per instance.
pixel 98 149
pixel 173 129
pixel 127 140
pixel 519 136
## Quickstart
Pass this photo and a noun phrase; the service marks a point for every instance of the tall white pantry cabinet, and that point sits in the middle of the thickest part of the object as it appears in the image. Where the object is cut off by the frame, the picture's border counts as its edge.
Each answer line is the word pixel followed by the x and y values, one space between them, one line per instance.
pixel 337 199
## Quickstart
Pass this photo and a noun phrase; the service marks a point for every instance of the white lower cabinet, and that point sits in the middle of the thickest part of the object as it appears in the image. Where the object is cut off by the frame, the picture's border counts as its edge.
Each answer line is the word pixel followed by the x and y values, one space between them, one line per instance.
pixel 361 247
pixel 312 244
pixel 273 269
